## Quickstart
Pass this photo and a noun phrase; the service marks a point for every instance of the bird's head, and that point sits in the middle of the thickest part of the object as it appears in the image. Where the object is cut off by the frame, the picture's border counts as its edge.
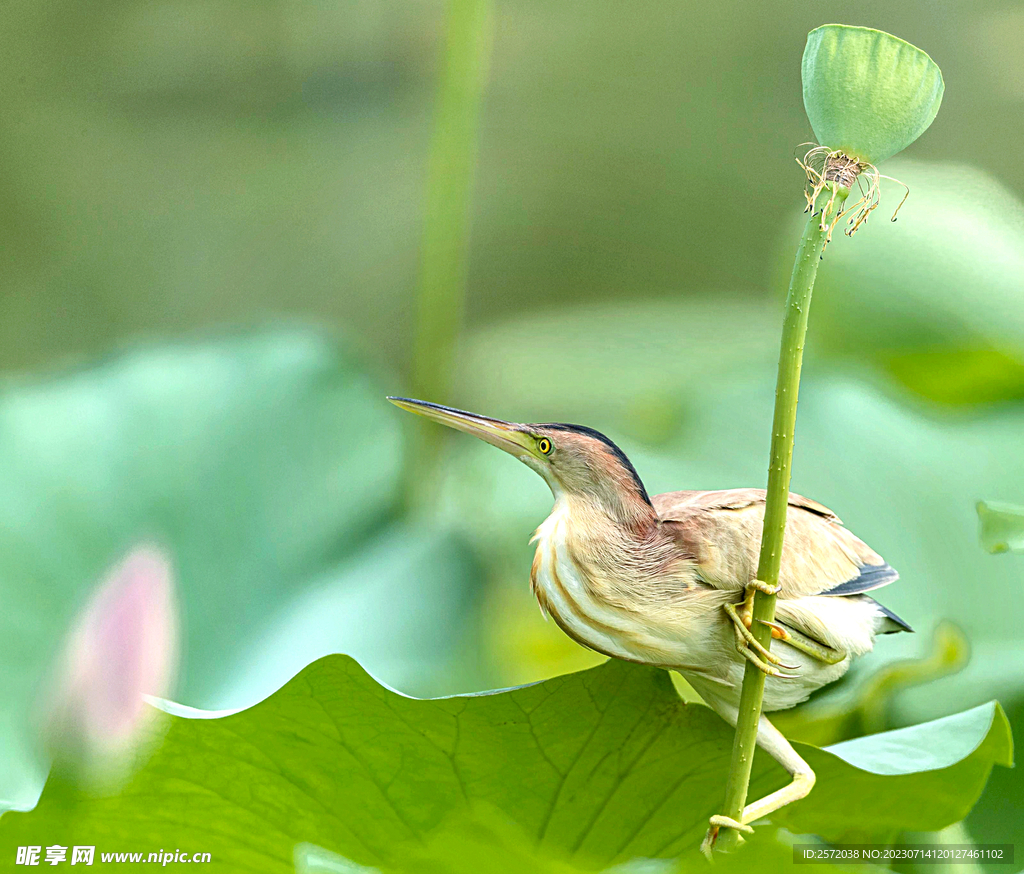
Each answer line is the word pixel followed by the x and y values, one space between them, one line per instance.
pixel 575 461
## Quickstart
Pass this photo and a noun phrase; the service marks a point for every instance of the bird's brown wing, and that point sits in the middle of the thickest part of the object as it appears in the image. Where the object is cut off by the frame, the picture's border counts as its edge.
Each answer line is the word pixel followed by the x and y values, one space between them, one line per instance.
pixel 722 532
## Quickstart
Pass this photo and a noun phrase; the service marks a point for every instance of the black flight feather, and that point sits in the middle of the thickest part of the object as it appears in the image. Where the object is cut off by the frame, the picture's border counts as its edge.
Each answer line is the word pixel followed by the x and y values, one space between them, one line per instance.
pixel 872 576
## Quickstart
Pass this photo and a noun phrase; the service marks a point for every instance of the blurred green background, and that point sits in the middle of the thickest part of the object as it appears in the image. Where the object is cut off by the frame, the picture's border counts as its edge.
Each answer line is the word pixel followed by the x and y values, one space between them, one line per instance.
pixel 213 223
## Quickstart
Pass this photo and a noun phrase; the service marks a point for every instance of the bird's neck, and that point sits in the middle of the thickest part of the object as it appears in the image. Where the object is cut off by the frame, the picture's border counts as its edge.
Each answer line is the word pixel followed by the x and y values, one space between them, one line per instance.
pixel 598 529
pixel 621 509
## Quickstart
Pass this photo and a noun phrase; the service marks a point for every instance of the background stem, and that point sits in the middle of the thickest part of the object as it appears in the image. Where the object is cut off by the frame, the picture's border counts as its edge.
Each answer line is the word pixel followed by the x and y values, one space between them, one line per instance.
pixel 446 220
pixel 794 329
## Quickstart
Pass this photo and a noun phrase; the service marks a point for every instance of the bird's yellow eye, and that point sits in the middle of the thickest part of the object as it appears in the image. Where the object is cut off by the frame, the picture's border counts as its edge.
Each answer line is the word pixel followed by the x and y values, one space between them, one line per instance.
pixel 544 446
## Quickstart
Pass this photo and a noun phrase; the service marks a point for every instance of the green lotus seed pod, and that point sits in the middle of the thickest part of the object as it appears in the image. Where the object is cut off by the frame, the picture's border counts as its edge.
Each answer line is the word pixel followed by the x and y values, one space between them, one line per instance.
pixel 867 93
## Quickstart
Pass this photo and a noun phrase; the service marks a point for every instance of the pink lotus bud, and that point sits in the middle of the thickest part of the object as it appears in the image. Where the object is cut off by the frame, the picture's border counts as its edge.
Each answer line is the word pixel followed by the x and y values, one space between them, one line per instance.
pixel 122 646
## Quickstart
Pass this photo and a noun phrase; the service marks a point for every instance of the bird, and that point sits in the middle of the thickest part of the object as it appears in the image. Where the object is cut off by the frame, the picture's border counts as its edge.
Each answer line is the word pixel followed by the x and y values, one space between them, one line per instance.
pixel 669 581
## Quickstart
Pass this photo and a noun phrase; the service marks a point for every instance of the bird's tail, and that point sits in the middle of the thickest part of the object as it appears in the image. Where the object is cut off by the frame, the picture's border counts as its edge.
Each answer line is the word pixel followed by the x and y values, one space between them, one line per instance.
pixel 891 623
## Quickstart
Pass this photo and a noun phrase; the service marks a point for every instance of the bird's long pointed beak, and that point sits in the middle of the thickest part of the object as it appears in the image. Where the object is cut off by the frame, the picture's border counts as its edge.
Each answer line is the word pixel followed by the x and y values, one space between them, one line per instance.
pixel 504 435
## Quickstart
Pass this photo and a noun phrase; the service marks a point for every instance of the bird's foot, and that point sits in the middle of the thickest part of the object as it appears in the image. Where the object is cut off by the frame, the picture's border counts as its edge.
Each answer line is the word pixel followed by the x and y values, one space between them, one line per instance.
pixel 718 822
pixel 827 654
pixel 765 668
pixel 762 586
pixel 753 650
pixel 746 607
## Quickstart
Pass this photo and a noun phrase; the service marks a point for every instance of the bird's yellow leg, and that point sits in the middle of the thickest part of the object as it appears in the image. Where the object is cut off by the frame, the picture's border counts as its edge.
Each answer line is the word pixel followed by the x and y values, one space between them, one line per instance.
pixel 746 644
pixel 827 654
pixel 746 607
pixel 770 739
pixel 750 648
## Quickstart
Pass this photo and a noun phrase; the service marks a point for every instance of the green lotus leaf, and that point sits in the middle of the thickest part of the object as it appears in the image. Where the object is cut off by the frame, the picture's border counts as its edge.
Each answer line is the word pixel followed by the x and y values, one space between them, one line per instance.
pixel 595 768
pixel 867 93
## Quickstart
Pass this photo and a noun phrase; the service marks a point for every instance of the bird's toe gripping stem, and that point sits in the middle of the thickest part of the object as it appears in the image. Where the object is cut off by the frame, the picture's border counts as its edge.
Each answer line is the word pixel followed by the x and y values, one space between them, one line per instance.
pixel 762 586
pixel 748 645
pixel 717 823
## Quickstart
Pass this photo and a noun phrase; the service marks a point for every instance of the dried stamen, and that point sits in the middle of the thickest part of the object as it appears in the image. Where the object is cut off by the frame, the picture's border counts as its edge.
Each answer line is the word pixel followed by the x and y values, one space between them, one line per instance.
pixel 825 168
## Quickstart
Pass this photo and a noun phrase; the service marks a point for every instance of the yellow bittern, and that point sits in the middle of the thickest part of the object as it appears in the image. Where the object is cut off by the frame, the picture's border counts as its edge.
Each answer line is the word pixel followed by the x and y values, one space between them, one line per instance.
pixel 670 580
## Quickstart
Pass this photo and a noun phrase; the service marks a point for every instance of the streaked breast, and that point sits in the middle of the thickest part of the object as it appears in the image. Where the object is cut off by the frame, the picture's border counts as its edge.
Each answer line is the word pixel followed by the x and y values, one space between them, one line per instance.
pixel 570 594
